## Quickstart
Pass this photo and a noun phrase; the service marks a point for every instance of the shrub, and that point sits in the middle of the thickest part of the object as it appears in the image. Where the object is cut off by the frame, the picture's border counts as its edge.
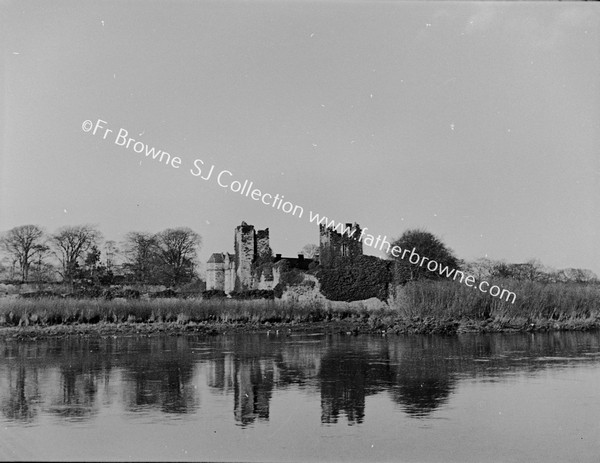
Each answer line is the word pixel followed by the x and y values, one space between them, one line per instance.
pixel 253 294
pixel 278 291
pixel 167 293
pixel 128 293
pixel 213 293
pixel 38 294
pixel 291 277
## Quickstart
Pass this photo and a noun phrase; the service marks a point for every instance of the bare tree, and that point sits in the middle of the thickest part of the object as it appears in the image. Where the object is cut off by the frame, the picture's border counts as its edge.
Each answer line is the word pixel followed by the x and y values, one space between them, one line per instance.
pixel 70 243
pixel 480 268
pixel 178 252
pixel 578 275
pixel 40 268
pixel 532 270
pixel 23 244
pixel 141 255
pixel 8 268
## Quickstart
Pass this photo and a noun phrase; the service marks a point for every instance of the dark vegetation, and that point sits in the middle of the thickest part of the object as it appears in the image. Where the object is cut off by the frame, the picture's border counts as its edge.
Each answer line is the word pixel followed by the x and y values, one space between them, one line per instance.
pixel 253 294
pixel 426 245
pixel 356 279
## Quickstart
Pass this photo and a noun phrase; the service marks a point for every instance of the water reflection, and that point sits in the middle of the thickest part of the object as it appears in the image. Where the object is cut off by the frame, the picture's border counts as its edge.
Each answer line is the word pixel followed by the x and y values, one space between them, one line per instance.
pixel 19 404
pixel 158 374
pixel 424 376
pixel 72 379
pixel 347 375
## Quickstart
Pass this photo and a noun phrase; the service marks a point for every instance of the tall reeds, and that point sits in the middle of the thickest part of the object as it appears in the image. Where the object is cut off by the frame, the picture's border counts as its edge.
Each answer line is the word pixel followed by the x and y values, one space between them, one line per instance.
pixel 534 300
pixel 50 311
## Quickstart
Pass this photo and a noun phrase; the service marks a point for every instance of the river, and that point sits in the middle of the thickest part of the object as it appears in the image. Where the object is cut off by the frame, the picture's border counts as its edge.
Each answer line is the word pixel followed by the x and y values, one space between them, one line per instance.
pixel 303 397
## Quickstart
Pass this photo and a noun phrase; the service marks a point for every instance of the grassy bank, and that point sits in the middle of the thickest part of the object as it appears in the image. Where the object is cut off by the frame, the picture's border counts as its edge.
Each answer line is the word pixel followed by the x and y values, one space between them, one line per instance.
pixel 418 307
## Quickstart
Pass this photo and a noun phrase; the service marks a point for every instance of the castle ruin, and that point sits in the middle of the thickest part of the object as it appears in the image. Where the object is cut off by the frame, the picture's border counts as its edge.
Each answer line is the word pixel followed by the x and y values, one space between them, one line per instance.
pixel 252 266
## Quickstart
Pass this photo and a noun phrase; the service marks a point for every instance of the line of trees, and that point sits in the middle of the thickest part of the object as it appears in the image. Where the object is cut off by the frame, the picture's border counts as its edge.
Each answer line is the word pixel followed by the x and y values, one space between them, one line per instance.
pixel 73 254
pixel 433 248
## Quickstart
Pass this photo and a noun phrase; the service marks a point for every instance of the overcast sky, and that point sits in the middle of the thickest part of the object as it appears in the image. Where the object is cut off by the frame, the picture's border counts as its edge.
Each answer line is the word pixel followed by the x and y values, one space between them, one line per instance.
pixel 477 121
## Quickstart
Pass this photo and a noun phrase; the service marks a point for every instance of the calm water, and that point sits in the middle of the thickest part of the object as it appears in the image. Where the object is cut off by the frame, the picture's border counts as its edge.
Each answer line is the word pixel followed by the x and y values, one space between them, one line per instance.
pixel 533 397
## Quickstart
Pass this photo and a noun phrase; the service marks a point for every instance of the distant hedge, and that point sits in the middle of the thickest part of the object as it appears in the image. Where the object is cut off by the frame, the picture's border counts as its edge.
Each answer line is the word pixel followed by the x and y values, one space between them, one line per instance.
pixel 253 294
pixel 211 293
pixel 353 280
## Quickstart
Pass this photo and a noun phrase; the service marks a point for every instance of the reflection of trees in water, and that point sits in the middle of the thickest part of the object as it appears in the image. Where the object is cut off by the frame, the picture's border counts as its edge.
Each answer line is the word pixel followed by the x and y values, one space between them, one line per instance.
pixel 427 366
pixel 83 363
pixel 157 372
pixel 420 390
pixel 424 373
pixel 79 388
pixel 159 375
pixel 163 384
pixel 20 394
pixel 23 396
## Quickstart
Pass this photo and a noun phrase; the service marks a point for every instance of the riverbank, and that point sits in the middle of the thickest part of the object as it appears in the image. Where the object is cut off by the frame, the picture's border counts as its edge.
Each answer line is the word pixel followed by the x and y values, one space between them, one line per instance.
pixel 350 327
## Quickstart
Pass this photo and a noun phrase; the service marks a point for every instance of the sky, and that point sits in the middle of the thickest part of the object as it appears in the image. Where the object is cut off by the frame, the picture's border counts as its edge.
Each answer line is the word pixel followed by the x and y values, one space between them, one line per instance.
pixel 477 121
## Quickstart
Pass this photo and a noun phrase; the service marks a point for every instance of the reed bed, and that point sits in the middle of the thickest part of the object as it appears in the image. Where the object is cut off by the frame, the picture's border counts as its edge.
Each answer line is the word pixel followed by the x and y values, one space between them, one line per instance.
pixel 534 301
pixel 52 311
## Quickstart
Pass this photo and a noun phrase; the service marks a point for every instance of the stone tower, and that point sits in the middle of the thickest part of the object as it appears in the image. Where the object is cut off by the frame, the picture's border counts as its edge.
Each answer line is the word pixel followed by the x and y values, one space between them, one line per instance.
pixel 333 244
pixel 249 245
pixel 220 272
pixel 244 250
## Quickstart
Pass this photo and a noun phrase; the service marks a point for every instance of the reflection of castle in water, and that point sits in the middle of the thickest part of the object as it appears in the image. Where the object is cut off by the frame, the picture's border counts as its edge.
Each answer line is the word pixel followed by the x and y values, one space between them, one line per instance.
pixel 249 380
pixel 344 374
